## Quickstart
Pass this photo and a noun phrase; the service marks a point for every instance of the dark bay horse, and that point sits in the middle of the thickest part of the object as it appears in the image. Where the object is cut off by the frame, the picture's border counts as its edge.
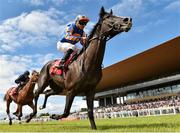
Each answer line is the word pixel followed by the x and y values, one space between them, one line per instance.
pixel 24 97
pixel 84 73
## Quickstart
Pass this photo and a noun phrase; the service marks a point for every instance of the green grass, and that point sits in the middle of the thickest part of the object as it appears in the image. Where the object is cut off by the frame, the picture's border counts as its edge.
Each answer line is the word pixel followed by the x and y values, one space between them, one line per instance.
pixel 169 123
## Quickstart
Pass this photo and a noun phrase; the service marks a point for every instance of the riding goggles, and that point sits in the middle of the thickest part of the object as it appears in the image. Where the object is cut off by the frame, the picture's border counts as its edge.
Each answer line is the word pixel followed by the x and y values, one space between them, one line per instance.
pixel 82 23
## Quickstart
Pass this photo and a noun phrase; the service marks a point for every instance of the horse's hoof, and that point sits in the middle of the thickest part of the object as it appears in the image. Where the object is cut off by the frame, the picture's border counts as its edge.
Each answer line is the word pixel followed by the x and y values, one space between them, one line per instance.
pixel 15 114
pixel 41 107
pixel 20 122
pixel 28 120
pixel 10 123
pixel 56 117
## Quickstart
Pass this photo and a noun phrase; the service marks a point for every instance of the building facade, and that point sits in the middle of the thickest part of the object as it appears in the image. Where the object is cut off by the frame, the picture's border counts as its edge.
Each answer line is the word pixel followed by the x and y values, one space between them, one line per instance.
pixel 152 74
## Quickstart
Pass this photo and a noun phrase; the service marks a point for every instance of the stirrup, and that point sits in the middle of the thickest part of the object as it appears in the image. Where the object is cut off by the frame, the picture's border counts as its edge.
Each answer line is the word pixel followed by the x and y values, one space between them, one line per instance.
pixel 61 66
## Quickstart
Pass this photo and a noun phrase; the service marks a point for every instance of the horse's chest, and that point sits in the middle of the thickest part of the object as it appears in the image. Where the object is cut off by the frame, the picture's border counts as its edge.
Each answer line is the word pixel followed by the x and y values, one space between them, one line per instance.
pixel 92 79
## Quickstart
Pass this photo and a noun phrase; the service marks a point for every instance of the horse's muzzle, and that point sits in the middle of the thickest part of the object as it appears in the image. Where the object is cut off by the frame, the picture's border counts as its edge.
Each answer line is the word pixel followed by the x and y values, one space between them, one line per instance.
pixel 126 26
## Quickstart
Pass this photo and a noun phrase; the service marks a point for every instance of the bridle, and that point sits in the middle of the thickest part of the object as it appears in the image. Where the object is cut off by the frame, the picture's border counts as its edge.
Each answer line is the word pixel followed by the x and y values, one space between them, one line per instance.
pixel 113 27
pixel 34 82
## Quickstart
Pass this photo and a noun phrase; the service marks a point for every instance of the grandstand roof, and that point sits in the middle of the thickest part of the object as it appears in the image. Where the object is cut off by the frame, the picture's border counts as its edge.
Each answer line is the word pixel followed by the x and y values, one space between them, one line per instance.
pixel 159 61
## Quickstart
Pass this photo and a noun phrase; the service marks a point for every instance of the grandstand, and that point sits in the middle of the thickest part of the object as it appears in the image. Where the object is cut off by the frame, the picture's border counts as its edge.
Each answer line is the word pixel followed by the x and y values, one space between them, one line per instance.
pixel 152 74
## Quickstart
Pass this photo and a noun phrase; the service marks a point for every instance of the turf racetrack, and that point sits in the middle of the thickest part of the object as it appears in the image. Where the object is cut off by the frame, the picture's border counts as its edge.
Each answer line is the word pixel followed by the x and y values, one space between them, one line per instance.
pixel 170 123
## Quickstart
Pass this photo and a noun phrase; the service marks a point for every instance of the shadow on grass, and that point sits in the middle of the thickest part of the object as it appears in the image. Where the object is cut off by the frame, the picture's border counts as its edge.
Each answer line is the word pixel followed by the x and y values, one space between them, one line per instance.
pixel 138 126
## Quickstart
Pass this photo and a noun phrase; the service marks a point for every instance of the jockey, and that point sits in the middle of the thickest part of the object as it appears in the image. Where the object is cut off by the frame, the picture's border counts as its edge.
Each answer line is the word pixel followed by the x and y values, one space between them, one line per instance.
pixel 22 80
pixel 73 34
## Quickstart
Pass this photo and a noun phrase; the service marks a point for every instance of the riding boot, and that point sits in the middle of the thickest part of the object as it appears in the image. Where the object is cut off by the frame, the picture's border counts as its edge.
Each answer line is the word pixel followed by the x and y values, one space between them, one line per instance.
pixel 64 59
pixel 21 85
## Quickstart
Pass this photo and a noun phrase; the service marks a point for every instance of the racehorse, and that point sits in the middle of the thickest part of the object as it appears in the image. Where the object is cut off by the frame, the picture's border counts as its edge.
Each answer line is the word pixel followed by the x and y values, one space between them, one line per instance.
pixel 24 97
pixel 85 72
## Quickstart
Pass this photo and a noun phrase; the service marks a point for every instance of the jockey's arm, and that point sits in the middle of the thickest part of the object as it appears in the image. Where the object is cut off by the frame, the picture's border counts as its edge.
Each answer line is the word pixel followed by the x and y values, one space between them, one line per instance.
pixel 69 32
pixel 83 39
pixel 17 81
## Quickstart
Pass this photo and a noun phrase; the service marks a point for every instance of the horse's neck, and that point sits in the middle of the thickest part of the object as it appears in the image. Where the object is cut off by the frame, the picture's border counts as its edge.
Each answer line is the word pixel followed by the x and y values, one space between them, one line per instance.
pixel 94 54
pixel 29 87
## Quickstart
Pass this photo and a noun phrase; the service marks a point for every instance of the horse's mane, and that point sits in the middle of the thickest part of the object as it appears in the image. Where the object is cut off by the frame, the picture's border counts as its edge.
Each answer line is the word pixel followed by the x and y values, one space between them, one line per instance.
pixel 93 31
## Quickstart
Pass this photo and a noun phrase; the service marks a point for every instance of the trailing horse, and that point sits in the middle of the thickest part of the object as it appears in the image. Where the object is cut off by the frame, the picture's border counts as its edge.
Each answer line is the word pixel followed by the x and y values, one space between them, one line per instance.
pixel 24 97
pixel 83 74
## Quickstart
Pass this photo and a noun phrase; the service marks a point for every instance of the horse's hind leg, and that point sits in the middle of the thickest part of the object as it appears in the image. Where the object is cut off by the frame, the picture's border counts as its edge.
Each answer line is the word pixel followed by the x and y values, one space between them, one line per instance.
pixel 47 94
pixel 8 102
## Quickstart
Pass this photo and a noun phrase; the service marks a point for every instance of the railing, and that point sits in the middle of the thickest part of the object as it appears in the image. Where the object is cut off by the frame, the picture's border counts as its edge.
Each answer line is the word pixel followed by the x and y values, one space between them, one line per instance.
pixel 134 113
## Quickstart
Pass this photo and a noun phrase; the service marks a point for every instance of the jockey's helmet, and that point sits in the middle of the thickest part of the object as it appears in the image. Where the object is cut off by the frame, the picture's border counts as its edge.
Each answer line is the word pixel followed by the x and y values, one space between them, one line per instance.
pixel 82 19
pixel 26 73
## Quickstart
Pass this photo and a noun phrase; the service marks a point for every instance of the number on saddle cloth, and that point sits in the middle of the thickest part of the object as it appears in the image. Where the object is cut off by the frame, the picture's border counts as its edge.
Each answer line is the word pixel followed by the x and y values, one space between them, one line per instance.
pixel 54 70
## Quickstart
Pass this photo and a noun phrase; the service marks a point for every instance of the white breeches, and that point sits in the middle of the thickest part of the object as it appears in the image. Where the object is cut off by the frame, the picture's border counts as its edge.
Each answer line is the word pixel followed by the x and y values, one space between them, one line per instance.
pixel 64 46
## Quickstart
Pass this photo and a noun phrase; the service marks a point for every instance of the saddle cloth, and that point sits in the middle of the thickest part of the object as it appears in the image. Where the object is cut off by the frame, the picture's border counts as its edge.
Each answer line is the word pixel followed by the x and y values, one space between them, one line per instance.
pixel 54 70
pixel 13 92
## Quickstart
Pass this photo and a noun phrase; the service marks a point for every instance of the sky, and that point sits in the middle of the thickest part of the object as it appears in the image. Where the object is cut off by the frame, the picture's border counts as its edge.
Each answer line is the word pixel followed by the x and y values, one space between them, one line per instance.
pixel 29 30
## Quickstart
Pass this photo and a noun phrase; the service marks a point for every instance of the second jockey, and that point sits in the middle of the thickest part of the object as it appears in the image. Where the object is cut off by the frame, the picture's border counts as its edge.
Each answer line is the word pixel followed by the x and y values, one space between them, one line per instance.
pixel 73 34
pixel 22 80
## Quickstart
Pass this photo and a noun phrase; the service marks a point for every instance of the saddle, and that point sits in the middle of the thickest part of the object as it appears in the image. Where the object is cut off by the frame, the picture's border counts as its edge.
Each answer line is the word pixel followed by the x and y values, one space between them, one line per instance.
pixel 13 92
pixel 58 71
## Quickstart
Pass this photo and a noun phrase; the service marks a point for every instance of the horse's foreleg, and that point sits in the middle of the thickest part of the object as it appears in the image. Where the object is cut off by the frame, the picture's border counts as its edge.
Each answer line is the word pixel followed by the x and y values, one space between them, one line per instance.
pixel 35 107
pixel 36 97
pixel 41 88
pixel 90 105
pixel 8 102
pixel 47 94
pixel 69 100
pixel 31 115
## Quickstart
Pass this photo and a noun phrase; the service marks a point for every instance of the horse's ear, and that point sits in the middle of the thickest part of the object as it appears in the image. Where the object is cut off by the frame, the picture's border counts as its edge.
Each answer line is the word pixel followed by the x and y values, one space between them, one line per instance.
pixel 111 12
pixel 102 12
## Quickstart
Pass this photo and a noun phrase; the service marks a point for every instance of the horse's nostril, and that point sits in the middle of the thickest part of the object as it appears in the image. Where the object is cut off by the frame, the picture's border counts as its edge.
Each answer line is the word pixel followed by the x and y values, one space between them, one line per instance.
pixel 125 19
pixel 130 19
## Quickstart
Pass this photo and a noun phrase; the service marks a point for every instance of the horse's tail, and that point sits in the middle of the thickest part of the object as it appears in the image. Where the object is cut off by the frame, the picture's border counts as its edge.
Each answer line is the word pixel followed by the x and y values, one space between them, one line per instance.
pixel 5 97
